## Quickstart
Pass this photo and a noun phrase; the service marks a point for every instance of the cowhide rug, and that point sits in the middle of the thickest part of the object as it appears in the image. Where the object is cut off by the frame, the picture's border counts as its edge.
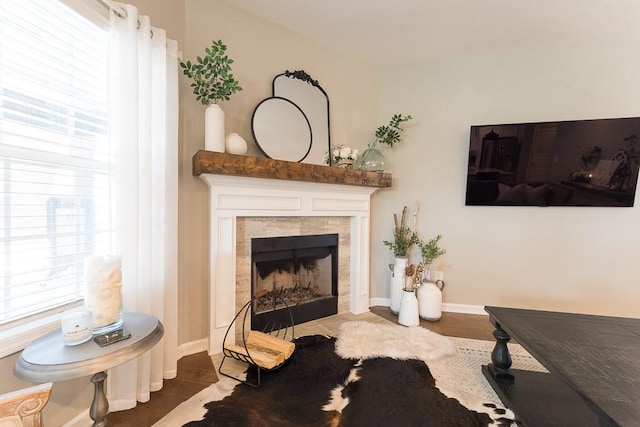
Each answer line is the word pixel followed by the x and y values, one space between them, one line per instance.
pixel 316 387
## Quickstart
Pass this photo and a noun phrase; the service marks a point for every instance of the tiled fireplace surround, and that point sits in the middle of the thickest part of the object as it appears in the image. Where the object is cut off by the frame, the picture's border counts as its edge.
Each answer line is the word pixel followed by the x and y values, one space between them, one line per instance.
pixel 243 207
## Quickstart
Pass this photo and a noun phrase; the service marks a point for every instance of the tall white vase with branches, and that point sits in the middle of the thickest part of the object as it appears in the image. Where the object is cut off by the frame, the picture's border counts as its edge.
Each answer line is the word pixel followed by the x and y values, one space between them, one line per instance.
pixel 397 282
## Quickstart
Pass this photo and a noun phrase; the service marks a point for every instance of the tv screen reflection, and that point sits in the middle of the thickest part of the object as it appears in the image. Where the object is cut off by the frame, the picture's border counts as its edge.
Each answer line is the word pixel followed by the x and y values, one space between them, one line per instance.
pixel 564 163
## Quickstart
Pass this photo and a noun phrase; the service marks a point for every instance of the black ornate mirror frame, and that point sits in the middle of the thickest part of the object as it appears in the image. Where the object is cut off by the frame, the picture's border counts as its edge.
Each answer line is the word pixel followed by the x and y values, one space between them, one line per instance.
pixel 304 77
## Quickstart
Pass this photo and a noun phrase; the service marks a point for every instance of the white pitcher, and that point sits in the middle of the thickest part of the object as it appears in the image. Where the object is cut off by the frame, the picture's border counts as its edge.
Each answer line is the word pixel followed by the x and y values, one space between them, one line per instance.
pixel 430 299
pixel 408 315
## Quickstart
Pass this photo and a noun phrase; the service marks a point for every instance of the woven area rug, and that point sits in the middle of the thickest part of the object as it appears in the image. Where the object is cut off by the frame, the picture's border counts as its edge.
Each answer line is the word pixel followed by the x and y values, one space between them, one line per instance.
pixel 454 364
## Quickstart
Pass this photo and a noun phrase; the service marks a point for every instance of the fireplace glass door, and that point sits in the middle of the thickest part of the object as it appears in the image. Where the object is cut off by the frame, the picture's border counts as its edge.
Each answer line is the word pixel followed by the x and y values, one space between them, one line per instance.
pixel 298 272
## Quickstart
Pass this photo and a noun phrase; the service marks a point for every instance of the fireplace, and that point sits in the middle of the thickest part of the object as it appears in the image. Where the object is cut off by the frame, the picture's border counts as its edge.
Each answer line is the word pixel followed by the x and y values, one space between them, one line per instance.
pixel 298 272
pixel 234 199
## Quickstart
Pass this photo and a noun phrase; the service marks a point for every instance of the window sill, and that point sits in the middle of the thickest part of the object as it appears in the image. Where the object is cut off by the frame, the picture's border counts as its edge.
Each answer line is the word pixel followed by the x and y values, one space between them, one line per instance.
pixel 17 338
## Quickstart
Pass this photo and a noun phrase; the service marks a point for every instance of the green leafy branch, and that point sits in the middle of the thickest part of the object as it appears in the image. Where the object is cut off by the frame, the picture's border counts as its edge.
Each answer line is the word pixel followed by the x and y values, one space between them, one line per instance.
pixel 391 134
pixel 211 75
pixel 430 250
pixel 404 237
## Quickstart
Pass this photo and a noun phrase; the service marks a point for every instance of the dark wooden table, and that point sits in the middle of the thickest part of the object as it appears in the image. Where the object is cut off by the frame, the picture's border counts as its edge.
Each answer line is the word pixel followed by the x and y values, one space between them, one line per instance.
pixel 593 364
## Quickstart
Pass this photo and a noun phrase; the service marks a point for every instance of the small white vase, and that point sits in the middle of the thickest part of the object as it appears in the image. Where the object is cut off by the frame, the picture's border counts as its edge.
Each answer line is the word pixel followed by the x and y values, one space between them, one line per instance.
pixel 409 310
pixel 235 144
pixel 214 136
pixel 397 282
pixel 430 299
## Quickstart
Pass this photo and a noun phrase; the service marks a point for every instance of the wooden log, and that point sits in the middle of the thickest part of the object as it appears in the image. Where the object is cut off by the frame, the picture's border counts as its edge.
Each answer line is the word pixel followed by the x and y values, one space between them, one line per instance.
pixel 266 351
pixel 259 167
pixel 260 339
pixel 260 356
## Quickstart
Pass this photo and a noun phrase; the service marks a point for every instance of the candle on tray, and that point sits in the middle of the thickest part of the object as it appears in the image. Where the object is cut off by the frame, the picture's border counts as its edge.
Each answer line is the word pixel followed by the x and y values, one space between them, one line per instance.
pixel 103 291
pixel 76 327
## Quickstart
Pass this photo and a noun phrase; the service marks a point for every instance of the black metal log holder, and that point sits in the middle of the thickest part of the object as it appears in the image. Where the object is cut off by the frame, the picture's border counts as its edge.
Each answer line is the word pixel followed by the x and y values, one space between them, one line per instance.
pixel 282 330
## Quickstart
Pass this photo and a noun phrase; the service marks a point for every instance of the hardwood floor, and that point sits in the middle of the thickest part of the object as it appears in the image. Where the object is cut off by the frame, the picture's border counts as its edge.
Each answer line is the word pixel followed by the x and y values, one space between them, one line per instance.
pixel 450 324
pixel 196 372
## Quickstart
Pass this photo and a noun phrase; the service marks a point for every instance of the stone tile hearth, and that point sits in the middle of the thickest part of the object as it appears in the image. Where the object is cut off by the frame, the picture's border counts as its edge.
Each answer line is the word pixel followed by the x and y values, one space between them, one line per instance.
pixel 250 227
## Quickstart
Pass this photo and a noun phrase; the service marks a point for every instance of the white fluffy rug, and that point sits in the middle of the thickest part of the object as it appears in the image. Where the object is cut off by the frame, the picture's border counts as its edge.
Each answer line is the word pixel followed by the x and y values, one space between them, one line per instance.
pixel 367 340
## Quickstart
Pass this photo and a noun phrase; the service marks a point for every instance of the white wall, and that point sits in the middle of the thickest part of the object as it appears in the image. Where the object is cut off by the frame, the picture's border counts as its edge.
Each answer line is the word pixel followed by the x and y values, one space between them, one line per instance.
pixel 557 258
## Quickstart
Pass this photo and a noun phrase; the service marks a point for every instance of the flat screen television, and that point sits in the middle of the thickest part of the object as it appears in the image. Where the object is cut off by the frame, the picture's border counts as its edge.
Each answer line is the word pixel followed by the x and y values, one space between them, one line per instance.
pixel 563 163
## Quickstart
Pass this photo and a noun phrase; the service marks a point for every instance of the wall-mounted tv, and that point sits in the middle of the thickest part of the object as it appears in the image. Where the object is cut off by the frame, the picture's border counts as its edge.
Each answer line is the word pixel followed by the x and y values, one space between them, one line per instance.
pixel 564 163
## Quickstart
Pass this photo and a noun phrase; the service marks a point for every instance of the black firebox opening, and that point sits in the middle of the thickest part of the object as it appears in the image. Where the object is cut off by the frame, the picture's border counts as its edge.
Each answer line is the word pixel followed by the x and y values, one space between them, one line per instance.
pixel 299 270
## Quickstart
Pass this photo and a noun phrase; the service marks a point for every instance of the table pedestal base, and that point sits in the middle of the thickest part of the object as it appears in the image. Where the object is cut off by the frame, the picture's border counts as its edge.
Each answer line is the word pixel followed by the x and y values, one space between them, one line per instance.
pixel 99 404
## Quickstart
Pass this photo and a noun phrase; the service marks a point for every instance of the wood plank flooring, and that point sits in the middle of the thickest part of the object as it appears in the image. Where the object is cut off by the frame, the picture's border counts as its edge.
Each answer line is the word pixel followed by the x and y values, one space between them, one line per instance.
pixel 196 372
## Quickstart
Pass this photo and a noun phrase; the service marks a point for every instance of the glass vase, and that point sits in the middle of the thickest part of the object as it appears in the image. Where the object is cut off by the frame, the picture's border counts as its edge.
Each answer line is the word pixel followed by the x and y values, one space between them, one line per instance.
pixel 371 160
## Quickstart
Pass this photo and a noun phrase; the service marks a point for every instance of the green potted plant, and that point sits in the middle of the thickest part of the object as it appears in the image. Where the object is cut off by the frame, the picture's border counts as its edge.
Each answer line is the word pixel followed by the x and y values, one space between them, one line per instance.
pixel 390 134
pixel 430 250
pixel 404 237
pixel 212 82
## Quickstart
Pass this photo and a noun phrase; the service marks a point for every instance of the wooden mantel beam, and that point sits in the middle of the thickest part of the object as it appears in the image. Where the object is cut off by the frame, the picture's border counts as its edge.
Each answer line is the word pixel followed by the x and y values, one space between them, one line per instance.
pixel 258 167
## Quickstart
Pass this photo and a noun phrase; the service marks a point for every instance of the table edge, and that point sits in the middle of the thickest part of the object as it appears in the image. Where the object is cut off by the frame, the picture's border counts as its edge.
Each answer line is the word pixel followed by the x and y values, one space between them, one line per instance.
pixel 42 373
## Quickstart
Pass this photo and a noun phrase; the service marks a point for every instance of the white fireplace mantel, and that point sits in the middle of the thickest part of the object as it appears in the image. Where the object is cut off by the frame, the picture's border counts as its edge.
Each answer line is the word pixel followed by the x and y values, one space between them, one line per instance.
pixel 232 196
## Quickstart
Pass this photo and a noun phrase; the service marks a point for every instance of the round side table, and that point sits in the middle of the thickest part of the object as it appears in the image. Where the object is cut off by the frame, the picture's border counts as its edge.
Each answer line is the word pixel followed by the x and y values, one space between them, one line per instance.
pixel 48 359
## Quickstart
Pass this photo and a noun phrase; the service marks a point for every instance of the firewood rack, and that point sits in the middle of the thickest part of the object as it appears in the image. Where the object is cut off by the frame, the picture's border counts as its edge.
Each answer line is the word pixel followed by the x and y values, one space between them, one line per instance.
pixel 267 349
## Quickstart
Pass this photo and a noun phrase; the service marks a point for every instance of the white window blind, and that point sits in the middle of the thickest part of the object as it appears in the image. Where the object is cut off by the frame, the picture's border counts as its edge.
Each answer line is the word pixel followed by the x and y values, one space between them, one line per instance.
pixel 56 181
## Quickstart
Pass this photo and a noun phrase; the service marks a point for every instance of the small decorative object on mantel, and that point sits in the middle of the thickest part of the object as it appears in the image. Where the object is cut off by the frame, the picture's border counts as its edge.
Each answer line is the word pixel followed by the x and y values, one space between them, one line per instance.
pixel 235 144
pixel 404 238
pixel 372 159
pixel 430 291
pixel 212 82
pixel 341 156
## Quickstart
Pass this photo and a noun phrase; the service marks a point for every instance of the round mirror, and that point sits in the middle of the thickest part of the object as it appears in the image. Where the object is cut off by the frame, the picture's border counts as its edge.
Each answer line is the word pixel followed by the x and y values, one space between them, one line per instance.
pixel 291 139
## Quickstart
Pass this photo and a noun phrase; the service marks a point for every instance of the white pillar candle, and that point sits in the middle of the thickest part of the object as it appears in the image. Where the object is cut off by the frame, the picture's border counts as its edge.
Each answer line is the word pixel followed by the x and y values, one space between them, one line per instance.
pixel 103 289
pixel 76 327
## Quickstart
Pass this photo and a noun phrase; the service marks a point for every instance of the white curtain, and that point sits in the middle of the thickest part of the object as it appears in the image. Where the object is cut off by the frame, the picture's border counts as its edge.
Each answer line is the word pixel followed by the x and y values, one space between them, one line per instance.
pixel 143 120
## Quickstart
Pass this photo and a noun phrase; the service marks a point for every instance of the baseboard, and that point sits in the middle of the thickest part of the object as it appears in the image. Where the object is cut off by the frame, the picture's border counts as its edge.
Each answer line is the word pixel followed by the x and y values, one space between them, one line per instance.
pixel 192 347
pixel 448 307
pixel 381 302
pixel 464 309
pixel 81 420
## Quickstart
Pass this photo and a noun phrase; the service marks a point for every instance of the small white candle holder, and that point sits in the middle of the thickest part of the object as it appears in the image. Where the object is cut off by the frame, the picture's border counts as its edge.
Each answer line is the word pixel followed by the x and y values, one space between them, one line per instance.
pixel 76 327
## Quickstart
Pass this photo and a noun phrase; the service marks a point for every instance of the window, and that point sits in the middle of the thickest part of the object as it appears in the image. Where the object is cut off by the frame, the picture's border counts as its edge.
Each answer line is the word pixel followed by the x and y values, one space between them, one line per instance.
pixel 56 197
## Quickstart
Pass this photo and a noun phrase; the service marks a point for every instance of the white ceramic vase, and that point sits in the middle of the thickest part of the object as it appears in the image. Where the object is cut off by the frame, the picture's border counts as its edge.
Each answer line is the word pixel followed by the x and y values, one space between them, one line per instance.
pixel 214 135
pixel 235 144
pixel 430 299
pixel 397 282
pixel 409 310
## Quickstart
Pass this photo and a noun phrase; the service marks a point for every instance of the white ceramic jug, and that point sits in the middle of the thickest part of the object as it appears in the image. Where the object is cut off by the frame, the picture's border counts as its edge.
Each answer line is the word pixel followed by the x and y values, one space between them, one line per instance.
pixel 430 299
pixel 408 315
